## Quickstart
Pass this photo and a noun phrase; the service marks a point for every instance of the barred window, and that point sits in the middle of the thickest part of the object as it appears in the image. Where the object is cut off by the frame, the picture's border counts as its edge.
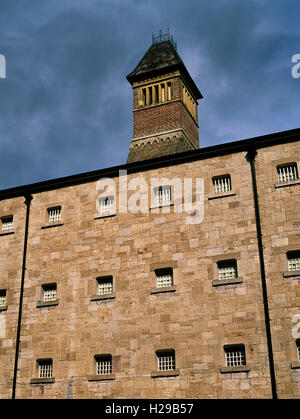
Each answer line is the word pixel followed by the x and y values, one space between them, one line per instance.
pixel 293 260
pixel 107 205
pixel 45 368
pixel 2 297
pixel 164 277
pixel 222 183
pixel 298 348
pixel 104 285
pixel 235 355
pixel 49 292
pixel 7 222
pixel 162 194
pixel 54 214
pixel 165 360
pixel 103 364
pixel 287 172
pixel 227 269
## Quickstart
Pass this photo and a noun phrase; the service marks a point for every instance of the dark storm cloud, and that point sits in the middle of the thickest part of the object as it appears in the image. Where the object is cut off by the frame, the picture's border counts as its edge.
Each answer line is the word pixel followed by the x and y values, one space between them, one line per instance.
pixel 66 106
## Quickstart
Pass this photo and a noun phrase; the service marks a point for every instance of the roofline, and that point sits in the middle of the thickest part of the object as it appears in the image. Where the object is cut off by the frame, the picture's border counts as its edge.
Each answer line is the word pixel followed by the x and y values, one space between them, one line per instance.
pixel 131 77
pixel 164 161
pixel 166 70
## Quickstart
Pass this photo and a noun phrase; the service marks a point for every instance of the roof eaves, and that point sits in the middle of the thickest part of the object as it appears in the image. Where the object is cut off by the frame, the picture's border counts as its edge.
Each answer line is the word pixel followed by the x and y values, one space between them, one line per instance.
pixel 164 161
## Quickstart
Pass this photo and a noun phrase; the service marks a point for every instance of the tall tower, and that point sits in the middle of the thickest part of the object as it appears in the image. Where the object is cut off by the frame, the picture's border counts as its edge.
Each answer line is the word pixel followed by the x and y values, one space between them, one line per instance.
pixel 165 117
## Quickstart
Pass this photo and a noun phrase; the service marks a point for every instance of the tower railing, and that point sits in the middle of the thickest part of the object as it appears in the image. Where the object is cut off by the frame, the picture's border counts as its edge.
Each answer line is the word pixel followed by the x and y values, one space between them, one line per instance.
pixel 161 37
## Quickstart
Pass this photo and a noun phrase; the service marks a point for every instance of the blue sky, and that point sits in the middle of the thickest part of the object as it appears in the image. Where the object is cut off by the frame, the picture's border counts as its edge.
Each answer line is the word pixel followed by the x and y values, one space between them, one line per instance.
pixel 66 106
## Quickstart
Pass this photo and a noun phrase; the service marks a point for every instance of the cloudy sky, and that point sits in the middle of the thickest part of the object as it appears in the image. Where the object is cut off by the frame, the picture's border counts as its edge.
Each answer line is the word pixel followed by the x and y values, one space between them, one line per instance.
pixel 66 106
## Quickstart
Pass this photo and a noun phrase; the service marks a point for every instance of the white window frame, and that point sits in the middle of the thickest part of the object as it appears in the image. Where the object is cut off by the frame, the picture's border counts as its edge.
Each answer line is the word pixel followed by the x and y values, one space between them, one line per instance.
pixel 49 292
pixel 222 183
pixel 164 277
pixel 7 222
pixel 287 172
pixel 162 194
pixel 45 368
pixel 106 205
pixel 293 260
pixel 104 285
pixel 235 355
pixel 165 360
pixel 54 214
pixel 103 364
pixel 2 298
pixel 227 269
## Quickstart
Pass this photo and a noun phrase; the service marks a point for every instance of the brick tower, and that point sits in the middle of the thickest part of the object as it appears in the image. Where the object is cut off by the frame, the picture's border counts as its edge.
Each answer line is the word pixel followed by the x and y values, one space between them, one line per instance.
pixel 165 119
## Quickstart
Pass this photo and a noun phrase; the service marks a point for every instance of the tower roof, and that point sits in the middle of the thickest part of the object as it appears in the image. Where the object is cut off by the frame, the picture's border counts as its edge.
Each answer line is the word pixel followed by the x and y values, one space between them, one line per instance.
pixel 161 58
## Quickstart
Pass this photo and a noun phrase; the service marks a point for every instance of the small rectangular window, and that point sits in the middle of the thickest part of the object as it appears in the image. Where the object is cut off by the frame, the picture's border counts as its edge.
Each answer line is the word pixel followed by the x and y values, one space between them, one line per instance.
pixel 54 214
pixel 103 364
pixel 287 172
pixel 162 194
pixel 107 205
pixel 7 222
pixel 293 260
pixel 298 348
pixel 104 285
pixel 165 360
pixel 164 277
pixel 235 355
pixel 49 292
pixel 2 297
pixel 222 183
pixel 45 368
pixel 227 269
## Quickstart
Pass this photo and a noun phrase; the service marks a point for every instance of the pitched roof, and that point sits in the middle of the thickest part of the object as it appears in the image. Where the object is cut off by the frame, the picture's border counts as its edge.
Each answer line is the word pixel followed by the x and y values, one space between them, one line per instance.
pixel 160 58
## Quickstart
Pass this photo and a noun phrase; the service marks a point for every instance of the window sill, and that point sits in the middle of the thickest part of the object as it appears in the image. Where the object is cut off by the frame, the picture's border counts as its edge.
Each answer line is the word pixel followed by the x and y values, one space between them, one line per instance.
pixel 218 282
pixel 7 233
pixel 165 205
pixel 163 289
pixel 52 225
pixel 171 373
pixel 295 365
pixel 97 217
pixel 3 308
pixel 109 296
pixel 103 377
pixel 40 304
pixel 289 183
pixel 42 380
pixel 238 368
pixel 288 274
pixel 221 195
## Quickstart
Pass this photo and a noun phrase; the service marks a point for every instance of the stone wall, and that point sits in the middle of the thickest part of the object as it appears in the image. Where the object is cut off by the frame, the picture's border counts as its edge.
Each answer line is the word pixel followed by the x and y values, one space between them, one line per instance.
pixel 196 317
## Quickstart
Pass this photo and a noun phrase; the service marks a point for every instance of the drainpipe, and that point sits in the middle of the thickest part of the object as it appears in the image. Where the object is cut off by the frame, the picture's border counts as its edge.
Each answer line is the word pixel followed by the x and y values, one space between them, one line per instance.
pixel 250 157
pixel 27 202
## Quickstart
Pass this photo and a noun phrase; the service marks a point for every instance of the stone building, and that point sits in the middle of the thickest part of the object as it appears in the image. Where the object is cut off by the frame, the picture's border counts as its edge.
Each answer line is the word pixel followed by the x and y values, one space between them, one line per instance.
pixel 118 293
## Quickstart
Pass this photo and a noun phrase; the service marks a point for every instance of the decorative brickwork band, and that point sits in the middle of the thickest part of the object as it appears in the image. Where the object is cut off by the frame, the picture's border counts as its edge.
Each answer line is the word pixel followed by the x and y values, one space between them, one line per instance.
pixel 159 145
